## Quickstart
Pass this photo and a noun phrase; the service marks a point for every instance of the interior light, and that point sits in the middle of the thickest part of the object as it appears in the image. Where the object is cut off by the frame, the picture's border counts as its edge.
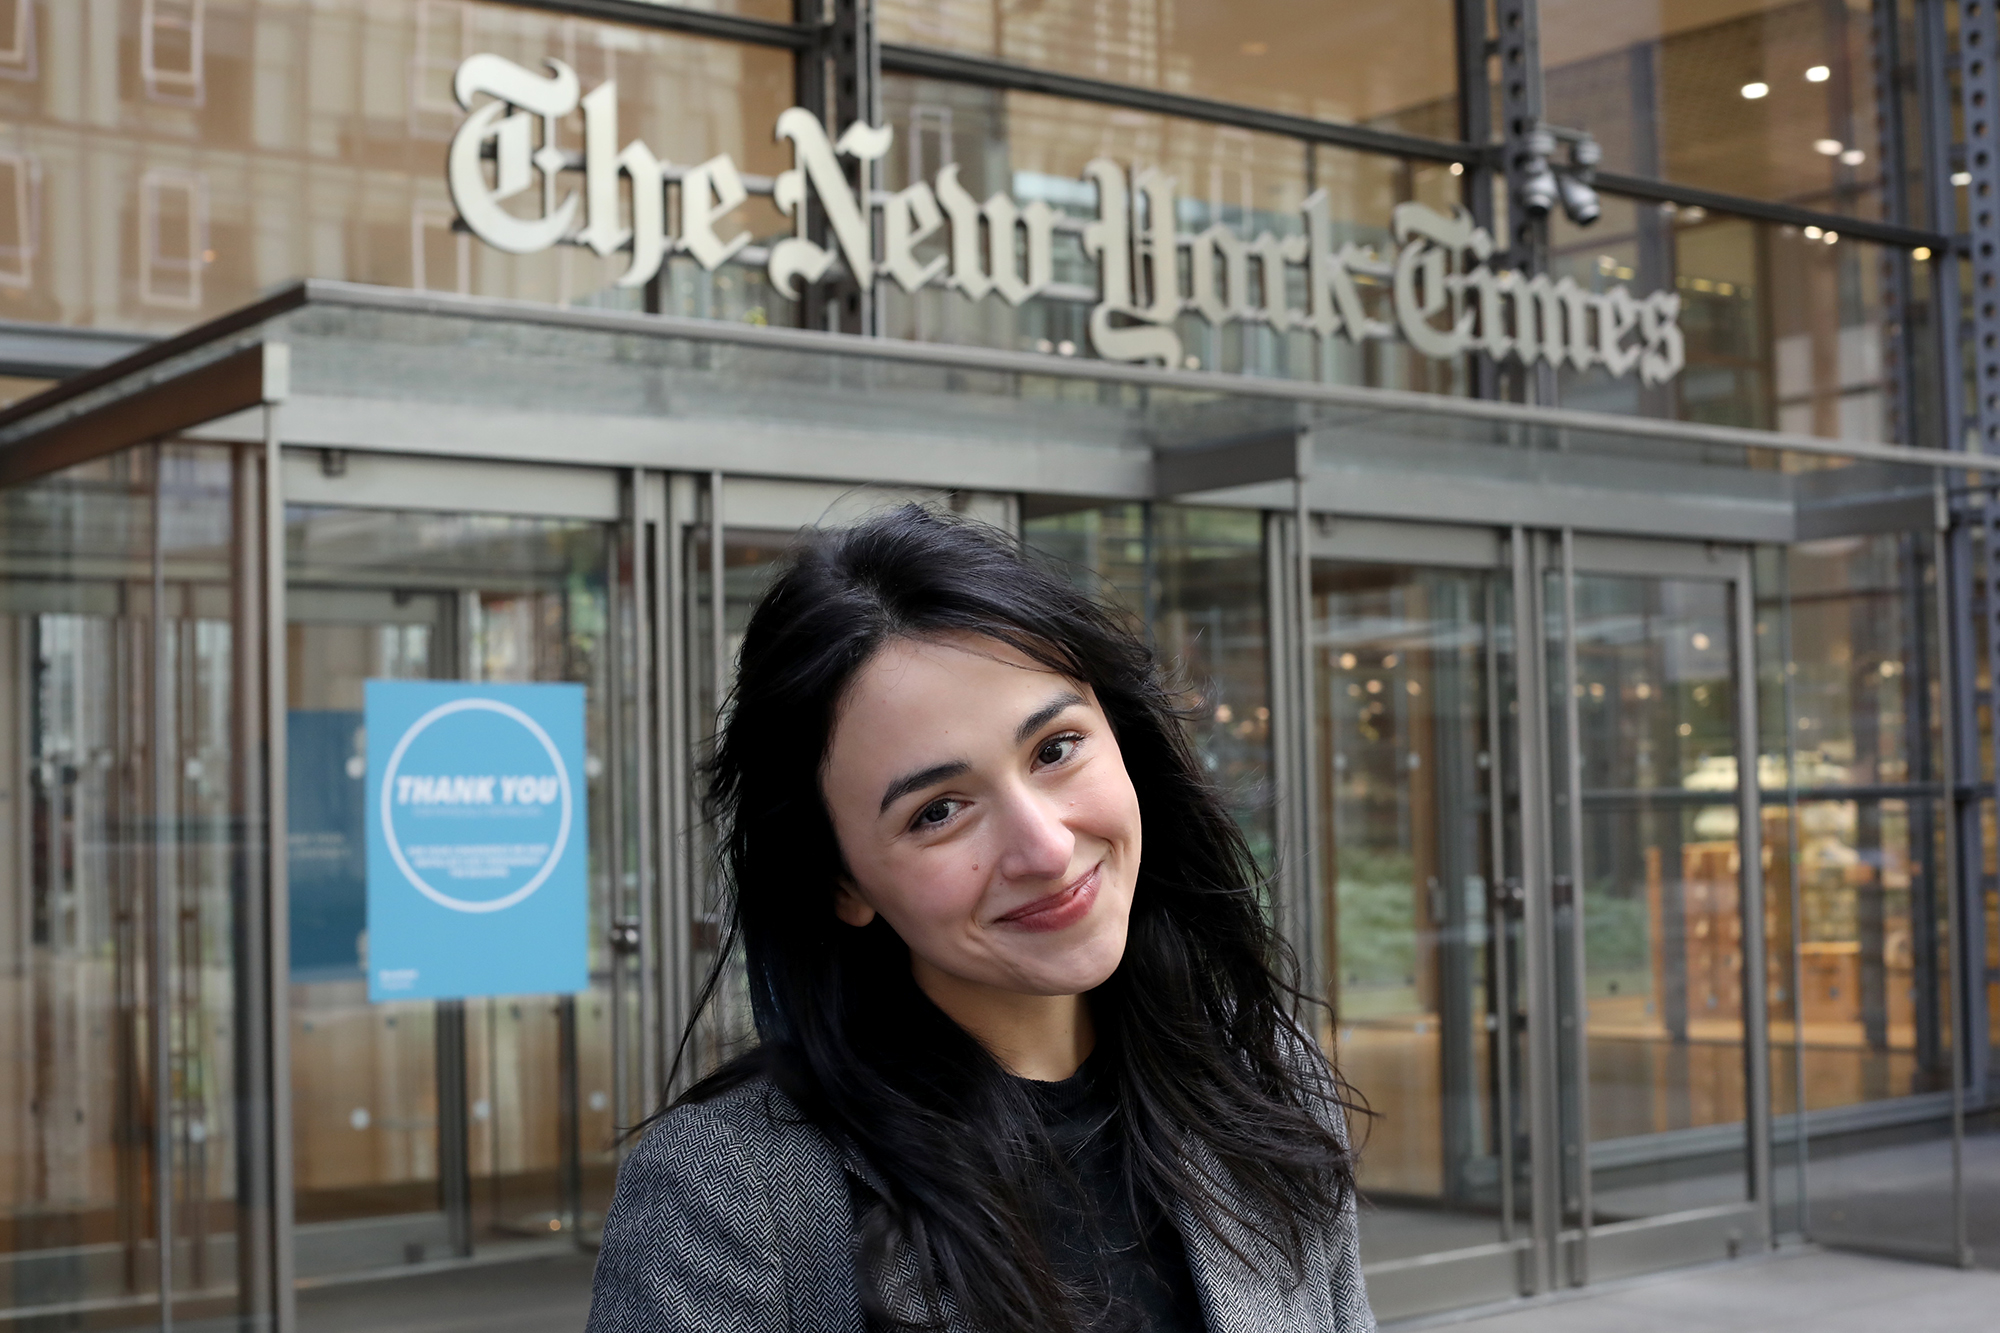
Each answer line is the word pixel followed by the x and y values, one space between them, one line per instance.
pixel 1921 253
pixel 1818 74
pixel 1961 178
pixel 1753 91
pixel 1828 147
pixel 1854 157
pixel 1812 233
pixel 1831 237
pixel 1456 168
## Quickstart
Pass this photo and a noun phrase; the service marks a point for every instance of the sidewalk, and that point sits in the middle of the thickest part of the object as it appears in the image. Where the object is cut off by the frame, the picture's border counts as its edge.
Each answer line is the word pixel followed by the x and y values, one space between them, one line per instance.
pixel 1804 1291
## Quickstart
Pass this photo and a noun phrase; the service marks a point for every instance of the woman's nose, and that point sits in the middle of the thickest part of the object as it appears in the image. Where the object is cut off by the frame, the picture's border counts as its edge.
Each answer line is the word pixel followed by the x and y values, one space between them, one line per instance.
pixel 1039 842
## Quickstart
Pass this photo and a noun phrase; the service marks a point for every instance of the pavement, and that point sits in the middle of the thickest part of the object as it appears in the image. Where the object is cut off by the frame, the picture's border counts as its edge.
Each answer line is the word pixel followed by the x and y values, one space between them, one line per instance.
pixel 1804 1290
pixel 1799 1290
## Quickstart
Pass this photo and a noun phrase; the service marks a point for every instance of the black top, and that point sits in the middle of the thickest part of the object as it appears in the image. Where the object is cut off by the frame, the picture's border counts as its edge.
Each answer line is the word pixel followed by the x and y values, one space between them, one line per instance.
pixel 1135 1269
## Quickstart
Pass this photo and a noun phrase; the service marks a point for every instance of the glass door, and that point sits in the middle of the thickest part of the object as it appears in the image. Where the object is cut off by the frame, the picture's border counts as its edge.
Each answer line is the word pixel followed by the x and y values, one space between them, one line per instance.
pixel 1412 669
pixel 428 1130
pixel 1655 904
pixel 1543 932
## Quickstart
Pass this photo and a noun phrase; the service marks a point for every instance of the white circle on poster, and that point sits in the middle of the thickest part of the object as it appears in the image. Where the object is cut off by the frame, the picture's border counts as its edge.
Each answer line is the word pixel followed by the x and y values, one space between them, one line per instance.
pixel 565 807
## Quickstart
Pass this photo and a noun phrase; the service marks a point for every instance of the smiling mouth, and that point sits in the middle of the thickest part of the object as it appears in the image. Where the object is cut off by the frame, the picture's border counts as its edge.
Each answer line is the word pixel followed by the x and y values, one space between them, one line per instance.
pixel 1065 907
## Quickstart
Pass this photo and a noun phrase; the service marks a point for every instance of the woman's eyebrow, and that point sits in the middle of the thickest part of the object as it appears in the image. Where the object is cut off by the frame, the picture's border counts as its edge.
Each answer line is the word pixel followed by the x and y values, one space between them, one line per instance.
pixel 1040 718
pixel 919 780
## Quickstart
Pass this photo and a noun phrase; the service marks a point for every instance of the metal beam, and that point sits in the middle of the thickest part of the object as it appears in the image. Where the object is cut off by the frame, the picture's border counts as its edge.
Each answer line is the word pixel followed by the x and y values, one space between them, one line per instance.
pixel 673 18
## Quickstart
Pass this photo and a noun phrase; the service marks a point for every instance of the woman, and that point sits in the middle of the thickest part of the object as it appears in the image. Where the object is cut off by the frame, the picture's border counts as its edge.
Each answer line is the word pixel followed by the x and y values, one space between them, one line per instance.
pixel 1011 1077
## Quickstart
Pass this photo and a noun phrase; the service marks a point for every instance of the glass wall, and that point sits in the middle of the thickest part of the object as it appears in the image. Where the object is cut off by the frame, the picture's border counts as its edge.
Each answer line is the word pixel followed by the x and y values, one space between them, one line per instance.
pixel 1392 66
pixel 129 810
pixel 1769 99
pixel 1036 148
pixel 1789 328
pixel 1854 847
pixel 1193 580
pixel 162 163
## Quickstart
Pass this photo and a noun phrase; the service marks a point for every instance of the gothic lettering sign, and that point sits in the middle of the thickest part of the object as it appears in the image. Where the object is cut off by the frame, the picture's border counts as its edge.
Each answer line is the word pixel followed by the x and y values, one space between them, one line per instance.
pixel 1434 290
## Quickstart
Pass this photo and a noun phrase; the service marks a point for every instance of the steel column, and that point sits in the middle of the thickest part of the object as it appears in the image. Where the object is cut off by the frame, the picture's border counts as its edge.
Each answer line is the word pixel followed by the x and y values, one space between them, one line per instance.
pixel 162 916
pixel 1579 1016
pixel 285 1310
pixel 1538 987
pixel 1979 93
pixel 1750 900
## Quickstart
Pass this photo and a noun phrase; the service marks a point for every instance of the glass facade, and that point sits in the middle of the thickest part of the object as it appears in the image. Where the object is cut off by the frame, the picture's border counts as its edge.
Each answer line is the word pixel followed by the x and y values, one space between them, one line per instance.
pixel 1615 748
pixel 131 809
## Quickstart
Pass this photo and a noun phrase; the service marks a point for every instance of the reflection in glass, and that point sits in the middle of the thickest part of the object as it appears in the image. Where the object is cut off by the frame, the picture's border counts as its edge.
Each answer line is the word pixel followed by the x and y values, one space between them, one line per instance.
pixel 1390 66
pixel 1408 771
pixel 376 594
pixel 124 807
pixel 323 130
pixel 1192 580
pixel 1786 328
pixel 1035 148
pixel 1774 99
pixel 1661 878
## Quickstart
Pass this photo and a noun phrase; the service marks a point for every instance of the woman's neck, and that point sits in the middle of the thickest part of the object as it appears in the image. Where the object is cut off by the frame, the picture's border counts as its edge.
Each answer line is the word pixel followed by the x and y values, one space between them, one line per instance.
pixel 1042 1037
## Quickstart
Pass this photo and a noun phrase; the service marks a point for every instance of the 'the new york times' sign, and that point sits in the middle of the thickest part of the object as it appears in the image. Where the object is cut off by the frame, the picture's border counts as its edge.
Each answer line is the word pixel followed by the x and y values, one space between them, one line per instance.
pixel 1434 291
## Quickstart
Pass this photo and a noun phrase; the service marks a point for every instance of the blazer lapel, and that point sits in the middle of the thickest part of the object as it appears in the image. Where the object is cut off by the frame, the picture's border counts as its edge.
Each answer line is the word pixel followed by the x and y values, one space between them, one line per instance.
pixel 1262 1295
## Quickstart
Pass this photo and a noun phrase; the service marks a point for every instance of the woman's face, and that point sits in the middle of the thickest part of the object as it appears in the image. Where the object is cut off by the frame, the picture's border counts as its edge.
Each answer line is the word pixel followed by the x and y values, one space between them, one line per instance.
pixel 983 809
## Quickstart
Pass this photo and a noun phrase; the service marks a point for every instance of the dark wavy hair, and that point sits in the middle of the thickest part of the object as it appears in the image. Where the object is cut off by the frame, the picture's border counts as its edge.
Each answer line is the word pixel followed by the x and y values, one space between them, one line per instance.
pixel 1198 1033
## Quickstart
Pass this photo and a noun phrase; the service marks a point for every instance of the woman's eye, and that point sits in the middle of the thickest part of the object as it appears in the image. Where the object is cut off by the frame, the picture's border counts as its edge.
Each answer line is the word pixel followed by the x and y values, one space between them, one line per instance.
pixel 937 812
pixel 1055 749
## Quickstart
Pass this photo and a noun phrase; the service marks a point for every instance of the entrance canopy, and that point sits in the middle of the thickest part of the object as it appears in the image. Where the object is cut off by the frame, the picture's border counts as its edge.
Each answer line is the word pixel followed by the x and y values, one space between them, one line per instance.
pixel 366 369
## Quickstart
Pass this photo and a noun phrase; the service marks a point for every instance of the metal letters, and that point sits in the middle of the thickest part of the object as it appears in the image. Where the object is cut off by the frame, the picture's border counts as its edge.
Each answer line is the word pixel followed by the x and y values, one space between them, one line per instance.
pixel 1436 291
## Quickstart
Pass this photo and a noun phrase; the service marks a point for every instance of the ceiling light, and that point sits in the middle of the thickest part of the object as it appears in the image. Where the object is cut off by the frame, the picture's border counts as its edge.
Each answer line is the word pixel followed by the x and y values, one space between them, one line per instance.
pixel 1831 237
pixel 1828 147
pixel 1456 168
pixel 1921 253
pixel 1961 178
pixel 1854 157
pixel 1812 233
pixel 1753 91
pixel 1818 74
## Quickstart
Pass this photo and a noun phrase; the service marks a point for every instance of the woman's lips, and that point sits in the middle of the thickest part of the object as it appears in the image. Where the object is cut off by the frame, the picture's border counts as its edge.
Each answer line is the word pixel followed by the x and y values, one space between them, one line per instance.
pixel 1065 907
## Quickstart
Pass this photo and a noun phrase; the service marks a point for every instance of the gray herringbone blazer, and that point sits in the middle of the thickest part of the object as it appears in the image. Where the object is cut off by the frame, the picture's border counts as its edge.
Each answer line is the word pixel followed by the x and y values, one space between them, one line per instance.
pixel 735 1216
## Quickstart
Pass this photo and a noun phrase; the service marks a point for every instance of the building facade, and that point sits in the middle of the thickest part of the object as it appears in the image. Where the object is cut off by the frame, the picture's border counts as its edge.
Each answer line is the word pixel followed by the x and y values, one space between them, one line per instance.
pixel 1541 437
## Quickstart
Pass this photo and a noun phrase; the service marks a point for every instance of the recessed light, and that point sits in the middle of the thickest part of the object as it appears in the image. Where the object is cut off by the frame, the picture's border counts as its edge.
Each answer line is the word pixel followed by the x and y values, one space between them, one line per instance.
pixel 1831 237
pixel 1828 147
pixel 1921 253
pixel 1818 74
pixel 1812 233
pixel 1753 91
pixel 1854 157
pixel 1961 178
pixel 1456 168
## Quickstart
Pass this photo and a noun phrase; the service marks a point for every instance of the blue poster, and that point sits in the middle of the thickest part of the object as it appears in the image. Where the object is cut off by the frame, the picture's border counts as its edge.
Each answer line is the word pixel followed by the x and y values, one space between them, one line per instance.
pixel 478 840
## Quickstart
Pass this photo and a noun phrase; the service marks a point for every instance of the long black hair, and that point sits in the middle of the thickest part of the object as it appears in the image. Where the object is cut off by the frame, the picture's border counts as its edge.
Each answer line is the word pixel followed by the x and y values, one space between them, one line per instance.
pixel 1223 1102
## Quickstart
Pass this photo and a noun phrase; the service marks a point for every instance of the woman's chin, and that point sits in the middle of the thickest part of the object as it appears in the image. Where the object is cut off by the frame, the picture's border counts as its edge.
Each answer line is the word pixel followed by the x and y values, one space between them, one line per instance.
pixel 1084 966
